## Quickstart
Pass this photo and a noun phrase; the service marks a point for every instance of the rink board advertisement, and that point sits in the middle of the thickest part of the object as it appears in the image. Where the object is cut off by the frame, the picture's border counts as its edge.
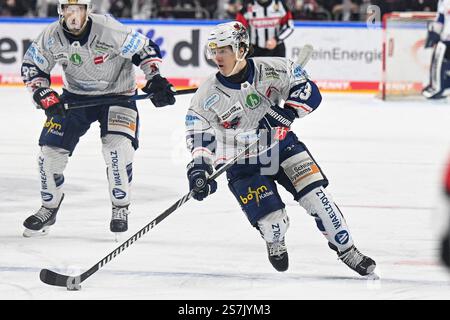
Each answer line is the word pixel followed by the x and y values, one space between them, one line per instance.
pixel 347 57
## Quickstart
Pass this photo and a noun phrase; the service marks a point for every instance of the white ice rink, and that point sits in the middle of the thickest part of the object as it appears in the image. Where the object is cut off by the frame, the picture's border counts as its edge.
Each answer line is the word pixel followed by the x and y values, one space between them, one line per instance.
pixel 383 160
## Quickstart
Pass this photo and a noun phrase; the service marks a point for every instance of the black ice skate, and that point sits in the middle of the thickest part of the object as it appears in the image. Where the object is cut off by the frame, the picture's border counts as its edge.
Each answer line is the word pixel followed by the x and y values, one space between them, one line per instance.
pixel 119 219
pixel 355 260
pixel 39 223
pixel 278 255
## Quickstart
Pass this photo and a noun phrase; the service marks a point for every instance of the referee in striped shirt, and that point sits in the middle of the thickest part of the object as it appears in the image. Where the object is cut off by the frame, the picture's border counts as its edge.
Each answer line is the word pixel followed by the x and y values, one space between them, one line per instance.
pixel 269 23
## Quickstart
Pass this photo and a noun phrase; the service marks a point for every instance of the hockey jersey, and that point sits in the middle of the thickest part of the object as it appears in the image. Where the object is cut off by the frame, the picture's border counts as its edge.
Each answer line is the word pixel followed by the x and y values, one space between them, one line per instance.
pixel 224 116
pixel 98 63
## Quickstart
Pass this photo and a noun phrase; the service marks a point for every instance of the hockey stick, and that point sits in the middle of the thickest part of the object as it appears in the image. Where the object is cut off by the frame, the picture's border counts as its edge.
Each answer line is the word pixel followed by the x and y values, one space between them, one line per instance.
pixel 305 54
pixel 111 99
pixel 302 58
pixel 73 282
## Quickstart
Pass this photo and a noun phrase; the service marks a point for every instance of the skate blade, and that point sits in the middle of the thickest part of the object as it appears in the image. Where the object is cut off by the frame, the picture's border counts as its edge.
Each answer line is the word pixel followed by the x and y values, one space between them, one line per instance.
pixel 372 276
pixel 28 233
pixel 118 236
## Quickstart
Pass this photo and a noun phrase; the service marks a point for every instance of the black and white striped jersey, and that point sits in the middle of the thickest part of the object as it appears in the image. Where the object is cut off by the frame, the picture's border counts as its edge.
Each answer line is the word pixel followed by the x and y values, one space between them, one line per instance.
pixel 266 21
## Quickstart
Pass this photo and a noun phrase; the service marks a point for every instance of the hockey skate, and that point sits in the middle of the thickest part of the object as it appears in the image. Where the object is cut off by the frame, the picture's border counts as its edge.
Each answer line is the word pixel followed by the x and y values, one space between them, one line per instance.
pixel 278 255
pixel 39 223
pixel 356 261
pixel 119 219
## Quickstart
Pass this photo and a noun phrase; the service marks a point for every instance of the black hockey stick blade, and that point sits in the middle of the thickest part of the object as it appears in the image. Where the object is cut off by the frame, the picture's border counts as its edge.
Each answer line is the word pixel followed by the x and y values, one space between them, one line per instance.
pixel 52 278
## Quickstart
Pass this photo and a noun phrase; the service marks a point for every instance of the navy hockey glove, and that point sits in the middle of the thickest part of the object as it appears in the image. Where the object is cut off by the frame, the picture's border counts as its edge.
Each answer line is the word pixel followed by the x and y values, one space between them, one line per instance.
pixel 432 39
pixel 279 119
pixel 162 90
pixel 197 173
pixel 49 100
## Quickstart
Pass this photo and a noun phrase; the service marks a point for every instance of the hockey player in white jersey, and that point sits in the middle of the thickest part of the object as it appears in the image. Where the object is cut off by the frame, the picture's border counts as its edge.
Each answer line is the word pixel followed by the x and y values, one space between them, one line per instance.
pixel 239 104
pixel 97 54
pixel 439 38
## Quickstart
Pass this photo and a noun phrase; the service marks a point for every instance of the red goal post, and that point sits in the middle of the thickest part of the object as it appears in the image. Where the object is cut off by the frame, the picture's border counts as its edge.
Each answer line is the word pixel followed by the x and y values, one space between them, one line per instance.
pixel 405 60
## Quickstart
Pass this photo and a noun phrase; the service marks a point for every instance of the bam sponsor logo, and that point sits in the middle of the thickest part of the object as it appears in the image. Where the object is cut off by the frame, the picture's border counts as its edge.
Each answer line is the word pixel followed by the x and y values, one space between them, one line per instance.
pixel 257 194
pixel 53 127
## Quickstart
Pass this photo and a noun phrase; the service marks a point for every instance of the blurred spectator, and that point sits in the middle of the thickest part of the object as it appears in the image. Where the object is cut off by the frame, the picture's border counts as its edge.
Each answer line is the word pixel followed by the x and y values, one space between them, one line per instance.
pixel 348 10
pixel 308 10
pixel 14 7
pixel 232 7
pixel 101 6
pixel 142 9
pixel 47 8
pixel 120 8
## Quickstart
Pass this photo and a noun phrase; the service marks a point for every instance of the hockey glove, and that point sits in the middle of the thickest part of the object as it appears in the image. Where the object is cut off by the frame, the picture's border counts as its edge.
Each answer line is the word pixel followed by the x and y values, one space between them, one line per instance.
pixel 49 100
pixel 279 119
pixel 433 36
pixel 197 172
pixel 432 39
pixel 162 90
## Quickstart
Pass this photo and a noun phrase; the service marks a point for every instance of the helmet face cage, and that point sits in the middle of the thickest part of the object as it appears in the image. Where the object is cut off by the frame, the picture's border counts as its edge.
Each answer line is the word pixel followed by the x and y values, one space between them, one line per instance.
pixel 61 3
pixel 231 34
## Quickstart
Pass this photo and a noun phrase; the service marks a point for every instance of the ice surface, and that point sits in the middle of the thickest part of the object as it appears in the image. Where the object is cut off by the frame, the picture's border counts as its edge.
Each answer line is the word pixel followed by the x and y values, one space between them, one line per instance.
pixel 384 162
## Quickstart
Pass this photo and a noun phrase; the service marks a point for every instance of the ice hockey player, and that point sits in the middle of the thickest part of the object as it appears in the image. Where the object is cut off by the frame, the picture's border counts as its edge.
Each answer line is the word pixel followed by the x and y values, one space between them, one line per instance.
pixel 439 38
pixel 97 54
pixel 232 108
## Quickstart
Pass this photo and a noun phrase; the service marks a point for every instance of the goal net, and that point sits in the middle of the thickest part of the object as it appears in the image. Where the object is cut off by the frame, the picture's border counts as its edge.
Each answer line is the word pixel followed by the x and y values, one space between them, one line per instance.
pixel 405 60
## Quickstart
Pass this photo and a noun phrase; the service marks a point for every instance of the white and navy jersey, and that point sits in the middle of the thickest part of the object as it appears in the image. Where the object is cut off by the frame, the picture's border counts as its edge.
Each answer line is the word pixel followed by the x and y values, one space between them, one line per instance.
pixel 223 116
pixel 444 18
pixel 100 62
pixel 265 22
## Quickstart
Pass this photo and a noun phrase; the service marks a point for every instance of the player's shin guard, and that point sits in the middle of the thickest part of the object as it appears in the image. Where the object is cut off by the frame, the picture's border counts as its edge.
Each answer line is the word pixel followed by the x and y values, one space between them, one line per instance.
pixel 319 204
pixel 118 153
pixel 273 228
pixel 51 163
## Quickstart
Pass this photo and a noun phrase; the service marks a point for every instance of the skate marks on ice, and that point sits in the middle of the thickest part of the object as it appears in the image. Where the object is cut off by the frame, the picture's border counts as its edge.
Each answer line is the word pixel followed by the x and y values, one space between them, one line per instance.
pixel 190 279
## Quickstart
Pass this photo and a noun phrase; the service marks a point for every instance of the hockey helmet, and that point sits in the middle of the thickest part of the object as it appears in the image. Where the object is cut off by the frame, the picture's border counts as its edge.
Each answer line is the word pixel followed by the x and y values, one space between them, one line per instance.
pixel 231 34
pixel 81 2
pixel 77 19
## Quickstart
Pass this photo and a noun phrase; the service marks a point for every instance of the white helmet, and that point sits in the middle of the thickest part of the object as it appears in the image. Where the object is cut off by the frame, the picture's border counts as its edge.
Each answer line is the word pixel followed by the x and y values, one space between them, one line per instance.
pixel 78 23
pixel 231 34
pixel 64 2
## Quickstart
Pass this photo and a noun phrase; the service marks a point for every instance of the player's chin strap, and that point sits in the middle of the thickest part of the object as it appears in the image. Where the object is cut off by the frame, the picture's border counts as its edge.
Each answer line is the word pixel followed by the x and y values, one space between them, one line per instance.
pixel 238 60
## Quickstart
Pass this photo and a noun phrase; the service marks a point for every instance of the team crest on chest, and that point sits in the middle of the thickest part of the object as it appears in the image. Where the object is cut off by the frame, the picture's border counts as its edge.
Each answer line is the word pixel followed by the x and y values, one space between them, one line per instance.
pixel 252 101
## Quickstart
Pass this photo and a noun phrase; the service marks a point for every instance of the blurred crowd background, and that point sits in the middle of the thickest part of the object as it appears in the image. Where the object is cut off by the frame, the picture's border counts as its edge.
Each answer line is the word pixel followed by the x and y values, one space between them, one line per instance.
pixel 339 10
